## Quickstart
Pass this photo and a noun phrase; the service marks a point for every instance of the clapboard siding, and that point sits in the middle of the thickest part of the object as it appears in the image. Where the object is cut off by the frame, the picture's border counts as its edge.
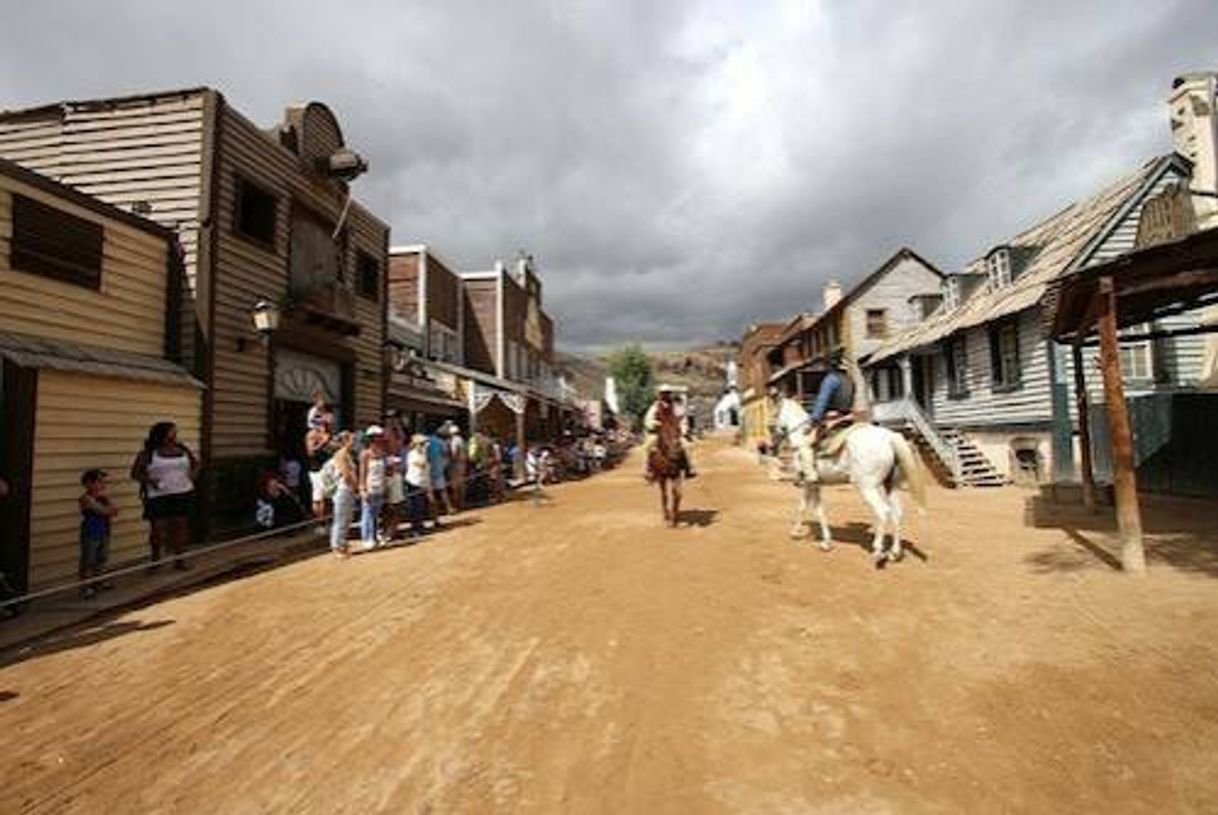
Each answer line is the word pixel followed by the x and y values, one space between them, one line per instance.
pixel 481 320
pixel 90 421
pixel 125 314
pixel 246 271
pixel 891 292
pixel 404 285
pixel 146 150
pixel 1030 403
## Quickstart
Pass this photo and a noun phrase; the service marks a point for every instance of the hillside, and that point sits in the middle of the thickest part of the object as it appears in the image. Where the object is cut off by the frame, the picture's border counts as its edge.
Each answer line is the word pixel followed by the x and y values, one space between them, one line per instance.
pixel 702 370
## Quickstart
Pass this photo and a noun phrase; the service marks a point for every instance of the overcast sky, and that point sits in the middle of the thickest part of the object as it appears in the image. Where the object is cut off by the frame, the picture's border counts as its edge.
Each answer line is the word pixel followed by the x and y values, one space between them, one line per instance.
pixel 677 169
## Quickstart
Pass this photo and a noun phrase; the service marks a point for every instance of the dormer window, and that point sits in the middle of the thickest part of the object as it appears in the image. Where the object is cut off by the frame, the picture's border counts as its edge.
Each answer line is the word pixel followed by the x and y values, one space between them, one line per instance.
pixel 998 268
pixel 951 293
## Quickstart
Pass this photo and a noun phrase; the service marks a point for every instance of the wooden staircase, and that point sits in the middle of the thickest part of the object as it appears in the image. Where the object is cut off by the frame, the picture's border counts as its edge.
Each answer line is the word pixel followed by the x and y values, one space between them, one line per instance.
pixel 975 469
pixel 955 460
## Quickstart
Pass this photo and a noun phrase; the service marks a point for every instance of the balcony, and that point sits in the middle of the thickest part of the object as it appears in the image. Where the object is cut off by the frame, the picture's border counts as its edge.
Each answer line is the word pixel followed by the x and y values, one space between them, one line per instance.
pixel 330 306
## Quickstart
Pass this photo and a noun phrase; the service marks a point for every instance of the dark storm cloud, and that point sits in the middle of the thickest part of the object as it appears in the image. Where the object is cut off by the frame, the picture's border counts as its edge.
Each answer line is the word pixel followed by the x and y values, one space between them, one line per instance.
pixel 678 169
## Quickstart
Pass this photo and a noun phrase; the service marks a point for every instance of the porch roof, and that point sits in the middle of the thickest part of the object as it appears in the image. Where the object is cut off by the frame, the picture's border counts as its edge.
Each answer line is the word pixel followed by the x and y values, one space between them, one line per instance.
pixel 60 355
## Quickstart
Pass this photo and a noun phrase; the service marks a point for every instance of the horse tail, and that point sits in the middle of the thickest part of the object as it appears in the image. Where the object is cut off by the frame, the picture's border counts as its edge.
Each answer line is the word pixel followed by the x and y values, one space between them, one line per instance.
pixel 911 469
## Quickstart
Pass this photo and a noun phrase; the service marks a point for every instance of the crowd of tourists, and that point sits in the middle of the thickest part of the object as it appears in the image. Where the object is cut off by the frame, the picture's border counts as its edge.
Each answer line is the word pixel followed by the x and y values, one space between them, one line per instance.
pixel 395 483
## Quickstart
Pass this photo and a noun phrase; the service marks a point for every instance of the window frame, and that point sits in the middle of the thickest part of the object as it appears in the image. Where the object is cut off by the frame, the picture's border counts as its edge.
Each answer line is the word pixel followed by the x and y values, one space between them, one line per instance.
pixel 955 352
pixel 1146 348
pixel 240 183
pixel 998 268
pixel 951 293
pixel 868 327
pixel 999 357
pixel 30 255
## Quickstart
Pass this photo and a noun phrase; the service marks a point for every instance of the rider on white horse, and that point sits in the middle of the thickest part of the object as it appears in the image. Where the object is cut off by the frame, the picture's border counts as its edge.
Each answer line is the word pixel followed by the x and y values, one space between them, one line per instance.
pixel 833 408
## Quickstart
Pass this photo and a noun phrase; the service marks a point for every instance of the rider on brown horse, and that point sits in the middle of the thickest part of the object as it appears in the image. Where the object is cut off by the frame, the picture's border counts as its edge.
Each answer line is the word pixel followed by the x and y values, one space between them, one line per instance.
pixel 665 434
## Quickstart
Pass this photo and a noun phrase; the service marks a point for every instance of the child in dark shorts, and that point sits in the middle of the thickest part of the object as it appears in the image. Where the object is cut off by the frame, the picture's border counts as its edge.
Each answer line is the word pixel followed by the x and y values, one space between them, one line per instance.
pixel 96 510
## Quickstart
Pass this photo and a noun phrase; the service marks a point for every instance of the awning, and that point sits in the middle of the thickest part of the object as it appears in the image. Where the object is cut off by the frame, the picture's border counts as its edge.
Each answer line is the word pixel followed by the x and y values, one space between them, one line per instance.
pixel 60 355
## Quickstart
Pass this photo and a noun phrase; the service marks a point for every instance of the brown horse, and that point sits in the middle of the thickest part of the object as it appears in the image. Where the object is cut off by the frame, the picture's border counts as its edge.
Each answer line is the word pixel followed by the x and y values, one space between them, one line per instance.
pixel 665 465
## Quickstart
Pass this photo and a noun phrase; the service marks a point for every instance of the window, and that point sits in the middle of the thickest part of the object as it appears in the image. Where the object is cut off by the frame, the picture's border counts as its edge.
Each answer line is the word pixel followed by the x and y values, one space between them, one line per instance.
pixel 998 268
pixel 1136 357
pixel 957 368
pixel 877 323
pixel 444 343
pixel 368 277
pixel 255 213
pixel 50 242
pixel 1004 356
pixel 951 293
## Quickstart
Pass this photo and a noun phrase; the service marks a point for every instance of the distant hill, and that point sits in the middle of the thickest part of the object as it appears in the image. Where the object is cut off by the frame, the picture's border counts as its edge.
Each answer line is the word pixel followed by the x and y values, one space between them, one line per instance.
pixel 702 370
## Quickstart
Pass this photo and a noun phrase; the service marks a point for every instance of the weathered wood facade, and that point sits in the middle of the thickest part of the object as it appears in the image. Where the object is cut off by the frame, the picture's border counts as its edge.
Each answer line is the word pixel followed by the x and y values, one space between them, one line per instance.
pixel 425 289
pixel 260 216
pixel 87 299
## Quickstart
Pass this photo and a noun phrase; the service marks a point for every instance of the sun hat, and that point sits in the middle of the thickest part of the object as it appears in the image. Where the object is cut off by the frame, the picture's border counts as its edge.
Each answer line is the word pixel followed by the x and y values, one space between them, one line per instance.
pixel 374 430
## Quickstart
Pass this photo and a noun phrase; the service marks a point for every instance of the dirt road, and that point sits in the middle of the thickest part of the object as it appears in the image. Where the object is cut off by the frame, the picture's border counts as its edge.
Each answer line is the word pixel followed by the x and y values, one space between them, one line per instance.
pixel 578 657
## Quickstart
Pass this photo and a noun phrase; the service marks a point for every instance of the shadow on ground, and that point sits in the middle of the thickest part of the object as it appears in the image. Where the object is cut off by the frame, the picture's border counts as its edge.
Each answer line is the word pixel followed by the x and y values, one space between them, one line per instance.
pixel 697 517
pixel 1178 532
pixel 857 533
pixel 79 637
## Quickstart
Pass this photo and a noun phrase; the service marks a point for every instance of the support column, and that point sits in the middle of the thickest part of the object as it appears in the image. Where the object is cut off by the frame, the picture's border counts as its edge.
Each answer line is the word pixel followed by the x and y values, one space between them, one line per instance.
pixel 1129 516
pixel 1086 469
pixel 520 446
pixel 906 377
pixel 1063 430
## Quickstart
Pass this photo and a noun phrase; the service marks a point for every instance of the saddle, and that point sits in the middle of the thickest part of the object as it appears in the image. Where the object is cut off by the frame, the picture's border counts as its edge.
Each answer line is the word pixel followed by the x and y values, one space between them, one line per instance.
pixel 833 436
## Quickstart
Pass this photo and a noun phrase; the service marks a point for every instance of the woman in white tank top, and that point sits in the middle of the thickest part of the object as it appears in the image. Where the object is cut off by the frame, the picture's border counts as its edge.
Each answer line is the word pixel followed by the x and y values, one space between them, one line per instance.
pixel 166 470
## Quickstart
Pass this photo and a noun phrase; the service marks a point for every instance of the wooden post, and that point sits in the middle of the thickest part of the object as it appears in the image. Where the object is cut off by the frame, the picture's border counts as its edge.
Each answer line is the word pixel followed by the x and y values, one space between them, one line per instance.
pixel 520 446
pixel 1087 472
pixel 1124 479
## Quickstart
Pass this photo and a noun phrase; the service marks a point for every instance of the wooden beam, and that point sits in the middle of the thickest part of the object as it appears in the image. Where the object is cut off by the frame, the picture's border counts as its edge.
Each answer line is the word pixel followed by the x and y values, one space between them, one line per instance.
pixel 1086 468
pixel 1124 478
pixel 1179 280
pixel 1161 334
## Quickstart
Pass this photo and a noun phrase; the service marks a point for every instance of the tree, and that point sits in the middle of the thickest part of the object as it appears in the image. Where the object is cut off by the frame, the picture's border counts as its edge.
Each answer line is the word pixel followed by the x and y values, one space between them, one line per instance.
pixel 631 371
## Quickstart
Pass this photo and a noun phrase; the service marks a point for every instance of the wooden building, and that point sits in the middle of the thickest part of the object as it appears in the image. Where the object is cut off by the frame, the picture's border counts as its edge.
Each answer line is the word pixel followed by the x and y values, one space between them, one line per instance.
pixel 90 348
pixel 262 214
pixel 509 334
pixel 893 297
pixel 755 370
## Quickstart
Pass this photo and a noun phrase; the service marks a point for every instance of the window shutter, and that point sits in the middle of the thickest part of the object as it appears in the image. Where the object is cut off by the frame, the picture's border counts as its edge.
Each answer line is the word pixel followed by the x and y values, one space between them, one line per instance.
pixel 53 243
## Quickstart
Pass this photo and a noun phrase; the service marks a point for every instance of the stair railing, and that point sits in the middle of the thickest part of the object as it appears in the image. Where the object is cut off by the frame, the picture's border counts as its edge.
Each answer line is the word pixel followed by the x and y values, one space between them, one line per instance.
pixel 907 411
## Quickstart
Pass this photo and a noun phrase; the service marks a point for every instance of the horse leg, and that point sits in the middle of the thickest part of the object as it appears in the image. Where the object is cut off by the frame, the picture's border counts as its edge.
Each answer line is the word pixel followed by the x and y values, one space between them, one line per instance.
pixel 676 501
pixel 797 523
pixel 879 508
pixel 818 506
pixel 663 482
pixel 896 551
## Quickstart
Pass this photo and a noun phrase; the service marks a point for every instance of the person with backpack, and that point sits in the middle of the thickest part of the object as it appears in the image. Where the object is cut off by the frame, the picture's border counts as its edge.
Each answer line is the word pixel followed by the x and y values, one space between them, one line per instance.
pixel 340 483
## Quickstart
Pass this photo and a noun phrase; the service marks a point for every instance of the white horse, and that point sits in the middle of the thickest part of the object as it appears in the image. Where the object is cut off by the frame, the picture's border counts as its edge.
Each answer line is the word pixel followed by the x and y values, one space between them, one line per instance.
pixel 873 458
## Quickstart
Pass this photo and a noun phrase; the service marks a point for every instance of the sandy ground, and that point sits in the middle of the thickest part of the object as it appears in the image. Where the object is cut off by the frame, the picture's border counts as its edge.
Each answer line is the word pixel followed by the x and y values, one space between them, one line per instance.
pixel 578 657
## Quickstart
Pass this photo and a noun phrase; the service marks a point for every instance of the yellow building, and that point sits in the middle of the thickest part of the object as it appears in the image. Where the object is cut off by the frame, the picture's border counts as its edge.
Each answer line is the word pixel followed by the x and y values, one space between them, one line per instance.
pixel 89 364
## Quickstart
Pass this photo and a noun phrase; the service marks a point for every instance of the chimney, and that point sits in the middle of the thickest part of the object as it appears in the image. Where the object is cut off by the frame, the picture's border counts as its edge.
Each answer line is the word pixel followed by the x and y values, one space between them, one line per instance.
pixel 833 293
pixel 1194 129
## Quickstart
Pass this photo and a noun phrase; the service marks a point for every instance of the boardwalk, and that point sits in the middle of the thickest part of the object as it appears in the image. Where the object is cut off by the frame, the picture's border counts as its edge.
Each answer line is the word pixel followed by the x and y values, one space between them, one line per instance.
pixel 577 657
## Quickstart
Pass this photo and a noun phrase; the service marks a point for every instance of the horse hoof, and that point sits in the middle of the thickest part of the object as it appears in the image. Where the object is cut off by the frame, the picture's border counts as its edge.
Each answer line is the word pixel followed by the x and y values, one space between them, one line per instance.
pixel 895 556
pixel 825 546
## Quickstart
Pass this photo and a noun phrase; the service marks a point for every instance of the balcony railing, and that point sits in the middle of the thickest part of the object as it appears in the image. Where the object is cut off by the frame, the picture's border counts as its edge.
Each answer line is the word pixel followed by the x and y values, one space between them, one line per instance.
pixel 331 304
